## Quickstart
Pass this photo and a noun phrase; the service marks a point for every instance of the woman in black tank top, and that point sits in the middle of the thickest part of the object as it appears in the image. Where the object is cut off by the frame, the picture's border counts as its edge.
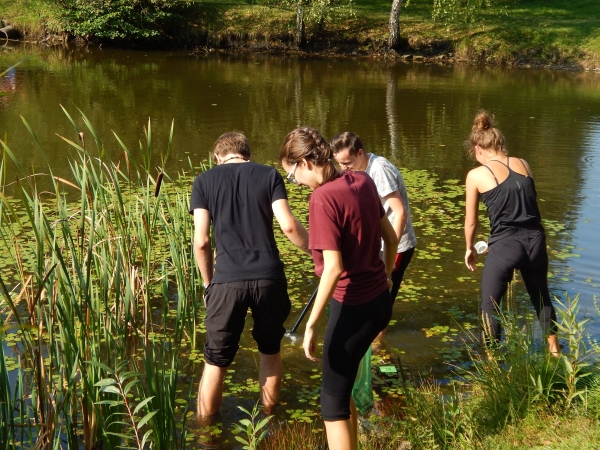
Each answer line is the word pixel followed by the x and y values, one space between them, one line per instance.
pixel 517 239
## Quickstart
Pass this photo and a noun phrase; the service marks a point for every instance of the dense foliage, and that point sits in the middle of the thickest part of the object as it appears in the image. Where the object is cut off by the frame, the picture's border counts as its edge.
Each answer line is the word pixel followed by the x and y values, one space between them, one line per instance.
pixel 466 10
pixel 313 14
pixel 119 19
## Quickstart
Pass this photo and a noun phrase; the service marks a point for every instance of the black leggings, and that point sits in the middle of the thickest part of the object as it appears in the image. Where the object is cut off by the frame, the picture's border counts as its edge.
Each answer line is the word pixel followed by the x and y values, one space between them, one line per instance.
pixel 524 250
pixel 349 333
pixel 402 261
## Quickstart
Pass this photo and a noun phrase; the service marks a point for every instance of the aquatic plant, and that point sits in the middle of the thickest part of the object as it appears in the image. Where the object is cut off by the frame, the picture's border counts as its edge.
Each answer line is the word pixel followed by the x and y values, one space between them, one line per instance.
pixel 575 365
pixel 251 429
pixel 92 264
pixel 520 378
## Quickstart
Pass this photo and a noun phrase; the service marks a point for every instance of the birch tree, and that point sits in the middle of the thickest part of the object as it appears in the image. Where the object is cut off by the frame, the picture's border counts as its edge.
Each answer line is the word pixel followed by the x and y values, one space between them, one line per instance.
pixel 394 38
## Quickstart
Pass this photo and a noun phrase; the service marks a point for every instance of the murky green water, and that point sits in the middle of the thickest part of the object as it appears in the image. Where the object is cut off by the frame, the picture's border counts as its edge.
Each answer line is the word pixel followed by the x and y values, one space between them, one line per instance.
pixel 415 115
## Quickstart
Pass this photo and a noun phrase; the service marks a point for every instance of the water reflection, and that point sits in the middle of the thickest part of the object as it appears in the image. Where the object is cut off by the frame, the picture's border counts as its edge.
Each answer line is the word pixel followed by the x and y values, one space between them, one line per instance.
pixel 390 108
pixel 583 272
pixel 417 116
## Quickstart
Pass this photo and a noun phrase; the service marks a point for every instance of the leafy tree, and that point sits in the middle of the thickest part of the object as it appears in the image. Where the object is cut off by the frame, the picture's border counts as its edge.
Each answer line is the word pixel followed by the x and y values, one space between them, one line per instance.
pixel 118 19
pixel 311 14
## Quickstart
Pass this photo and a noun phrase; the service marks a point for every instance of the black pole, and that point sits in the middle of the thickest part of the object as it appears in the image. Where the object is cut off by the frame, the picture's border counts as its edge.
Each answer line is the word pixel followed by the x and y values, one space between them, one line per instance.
pixel 304 311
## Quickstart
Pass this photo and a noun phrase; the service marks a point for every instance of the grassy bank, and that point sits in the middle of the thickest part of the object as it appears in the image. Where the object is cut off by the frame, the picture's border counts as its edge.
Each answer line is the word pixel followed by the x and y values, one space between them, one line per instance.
pixel 515 397
pixel 515 32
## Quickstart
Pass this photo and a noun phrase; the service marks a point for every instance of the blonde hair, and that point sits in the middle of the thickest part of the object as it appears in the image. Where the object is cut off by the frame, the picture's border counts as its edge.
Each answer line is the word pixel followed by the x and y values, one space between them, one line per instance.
pixel 485 135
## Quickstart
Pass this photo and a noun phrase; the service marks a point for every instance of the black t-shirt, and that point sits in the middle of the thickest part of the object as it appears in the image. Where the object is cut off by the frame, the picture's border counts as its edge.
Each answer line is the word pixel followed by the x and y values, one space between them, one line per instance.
pixel 239 198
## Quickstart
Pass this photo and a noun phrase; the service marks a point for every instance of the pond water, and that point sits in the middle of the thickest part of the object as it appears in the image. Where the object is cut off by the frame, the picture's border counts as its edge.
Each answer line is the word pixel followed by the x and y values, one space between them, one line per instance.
pixel 416 115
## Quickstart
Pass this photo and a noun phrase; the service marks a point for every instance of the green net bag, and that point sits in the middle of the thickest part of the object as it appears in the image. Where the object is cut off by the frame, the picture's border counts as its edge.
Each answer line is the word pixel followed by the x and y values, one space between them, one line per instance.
pixel 361 391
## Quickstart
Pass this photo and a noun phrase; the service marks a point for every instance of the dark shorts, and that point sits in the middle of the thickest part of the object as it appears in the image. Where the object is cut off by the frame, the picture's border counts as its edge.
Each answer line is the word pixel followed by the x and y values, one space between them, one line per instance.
pixel 226 308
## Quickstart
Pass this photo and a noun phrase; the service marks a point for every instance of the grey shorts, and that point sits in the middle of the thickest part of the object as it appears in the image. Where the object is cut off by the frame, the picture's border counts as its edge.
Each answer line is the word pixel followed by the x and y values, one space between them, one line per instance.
pixel 226 308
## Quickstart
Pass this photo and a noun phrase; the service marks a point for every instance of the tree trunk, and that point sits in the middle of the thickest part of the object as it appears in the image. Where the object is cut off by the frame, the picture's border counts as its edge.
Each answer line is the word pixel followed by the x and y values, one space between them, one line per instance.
pixel 394 39
pixel 300 35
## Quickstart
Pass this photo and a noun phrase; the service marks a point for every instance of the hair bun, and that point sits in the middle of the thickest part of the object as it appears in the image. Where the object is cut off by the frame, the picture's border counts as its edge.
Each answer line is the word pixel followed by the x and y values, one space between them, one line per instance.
pixel 483 121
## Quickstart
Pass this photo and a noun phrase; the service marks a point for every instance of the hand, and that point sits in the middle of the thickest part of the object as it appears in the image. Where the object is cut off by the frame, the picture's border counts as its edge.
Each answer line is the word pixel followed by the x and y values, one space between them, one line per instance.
pixel 310 343
pixel 471 259
pixel 205 293
pixel 390 284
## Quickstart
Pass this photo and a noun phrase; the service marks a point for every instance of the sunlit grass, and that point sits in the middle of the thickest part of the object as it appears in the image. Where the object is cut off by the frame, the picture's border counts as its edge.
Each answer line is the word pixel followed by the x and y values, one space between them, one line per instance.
pixel 534 30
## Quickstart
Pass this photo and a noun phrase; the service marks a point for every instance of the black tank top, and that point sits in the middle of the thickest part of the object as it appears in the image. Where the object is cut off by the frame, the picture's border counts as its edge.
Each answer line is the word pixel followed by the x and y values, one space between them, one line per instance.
pixel 511 205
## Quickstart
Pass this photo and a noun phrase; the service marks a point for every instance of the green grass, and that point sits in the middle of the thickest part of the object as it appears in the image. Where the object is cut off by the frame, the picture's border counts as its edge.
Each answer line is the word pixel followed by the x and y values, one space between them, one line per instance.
pixel 547 431
pixel 33 18
pixel 527 31
pixel 538 31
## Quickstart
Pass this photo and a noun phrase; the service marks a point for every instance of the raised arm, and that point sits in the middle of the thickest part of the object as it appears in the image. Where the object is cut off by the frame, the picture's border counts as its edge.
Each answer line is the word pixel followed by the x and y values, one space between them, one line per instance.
pixel 471 220
pixel 202 247
pixel 291 226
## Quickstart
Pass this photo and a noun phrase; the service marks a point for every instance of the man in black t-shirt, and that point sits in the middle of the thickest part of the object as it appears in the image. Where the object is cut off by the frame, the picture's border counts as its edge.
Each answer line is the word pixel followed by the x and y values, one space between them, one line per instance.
pixel 239 199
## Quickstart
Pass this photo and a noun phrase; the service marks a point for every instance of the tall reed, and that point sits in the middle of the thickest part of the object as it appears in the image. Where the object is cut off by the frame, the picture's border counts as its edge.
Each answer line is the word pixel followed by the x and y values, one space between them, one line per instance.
pixel 94 261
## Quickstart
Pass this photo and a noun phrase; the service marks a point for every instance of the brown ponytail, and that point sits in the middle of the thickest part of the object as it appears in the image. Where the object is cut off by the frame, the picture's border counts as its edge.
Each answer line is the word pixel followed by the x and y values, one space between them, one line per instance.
pixel 307 143
pixel 485 135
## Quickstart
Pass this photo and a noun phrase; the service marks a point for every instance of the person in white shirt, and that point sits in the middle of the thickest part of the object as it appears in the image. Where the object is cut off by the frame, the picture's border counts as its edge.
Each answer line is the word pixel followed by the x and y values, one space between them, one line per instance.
pixel 349 153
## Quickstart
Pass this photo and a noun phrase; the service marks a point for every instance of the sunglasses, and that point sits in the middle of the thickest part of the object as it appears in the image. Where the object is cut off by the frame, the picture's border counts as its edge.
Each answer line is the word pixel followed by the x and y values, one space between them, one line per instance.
pixel 290 175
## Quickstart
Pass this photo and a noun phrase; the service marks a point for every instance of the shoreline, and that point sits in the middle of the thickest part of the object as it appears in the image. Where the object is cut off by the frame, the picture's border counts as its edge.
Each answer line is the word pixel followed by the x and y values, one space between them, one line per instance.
pixel 445 58
pixel 441 58
pixel 549 35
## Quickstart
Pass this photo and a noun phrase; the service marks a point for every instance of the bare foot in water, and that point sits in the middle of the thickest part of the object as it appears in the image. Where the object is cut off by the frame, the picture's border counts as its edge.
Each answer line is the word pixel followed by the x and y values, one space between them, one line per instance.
pixel 553 345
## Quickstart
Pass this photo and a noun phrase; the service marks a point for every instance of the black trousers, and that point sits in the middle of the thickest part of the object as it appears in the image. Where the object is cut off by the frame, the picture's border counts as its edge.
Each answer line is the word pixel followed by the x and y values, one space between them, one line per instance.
pixel 349 333
pixel 524 250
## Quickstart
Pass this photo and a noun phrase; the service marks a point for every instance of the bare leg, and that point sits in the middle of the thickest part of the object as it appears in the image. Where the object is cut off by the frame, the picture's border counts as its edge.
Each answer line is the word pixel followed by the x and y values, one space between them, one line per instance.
pixel 553 345
pixel 354 420
pixel 340 435
pixel 376 344
pixel 210 391
pixel 270 373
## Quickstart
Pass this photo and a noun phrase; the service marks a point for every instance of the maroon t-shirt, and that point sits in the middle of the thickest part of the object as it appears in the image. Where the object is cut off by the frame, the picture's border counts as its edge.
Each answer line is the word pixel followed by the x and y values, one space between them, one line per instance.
pixel 344 215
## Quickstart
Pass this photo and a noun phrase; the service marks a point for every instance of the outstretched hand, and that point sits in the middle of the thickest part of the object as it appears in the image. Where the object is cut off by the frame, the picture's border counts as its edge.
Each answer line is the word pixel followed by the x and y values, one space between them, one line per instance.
pixel 471 259
pixel 310 343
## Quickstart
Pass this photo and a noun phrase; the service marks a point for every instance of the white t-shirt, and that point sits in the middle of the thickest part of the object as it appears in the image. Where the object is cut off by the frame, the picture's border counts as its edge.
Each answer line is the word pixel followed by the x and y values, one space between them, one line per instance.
pixel 388 179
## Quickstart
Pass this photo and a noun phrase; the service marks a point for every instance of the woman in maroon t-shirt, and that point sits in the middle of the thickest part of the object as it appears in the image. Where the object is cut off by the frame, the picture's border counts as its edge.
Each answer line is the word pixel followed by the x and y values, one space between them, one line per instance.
pixel 346 225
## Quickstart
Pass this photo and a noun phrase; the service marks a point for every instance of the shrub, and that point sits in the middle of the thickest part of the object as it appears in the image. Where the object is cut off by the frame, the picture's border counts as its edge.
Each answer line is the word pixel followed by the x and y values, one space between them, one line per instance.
pixel 118 19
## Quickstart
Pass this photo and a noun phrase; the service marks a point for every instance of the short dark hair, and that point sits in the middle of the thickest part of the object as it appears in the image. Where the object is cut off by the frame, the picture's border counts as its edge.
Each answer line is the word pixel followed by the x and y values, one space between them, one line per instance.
pixel 232 142
pixel 346 140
